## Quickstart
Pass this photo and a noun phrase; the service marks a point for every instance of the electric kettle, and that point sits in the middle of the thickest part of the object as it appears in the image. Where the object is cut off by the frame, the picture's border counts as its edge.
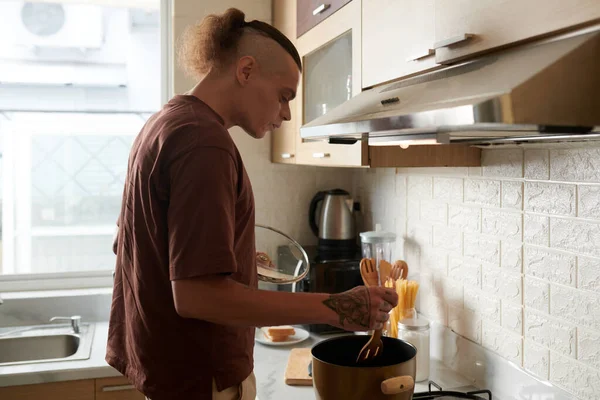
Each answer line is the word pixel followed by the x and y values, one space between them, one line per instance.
pixel 333 222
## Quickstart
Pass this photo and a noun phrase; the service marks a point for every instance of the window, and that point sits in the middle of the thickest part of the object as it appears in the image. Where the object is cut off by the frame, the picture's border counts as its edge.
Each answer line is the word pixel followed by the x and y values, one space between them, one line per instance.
pixel 77 83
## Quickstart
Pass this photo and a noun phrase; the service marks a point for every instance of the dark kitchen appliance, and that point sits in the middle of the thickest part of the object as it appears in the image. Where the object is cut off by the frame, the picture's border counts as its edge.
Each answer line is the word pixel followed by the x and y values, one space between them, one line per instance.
pixel 330 275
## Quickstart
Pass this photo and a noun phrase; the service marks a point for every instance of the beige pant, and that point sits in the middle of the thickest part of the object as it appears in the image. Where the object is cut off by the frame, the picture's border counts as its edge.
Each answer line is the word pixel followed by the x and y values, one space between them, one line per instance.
pixel 245 391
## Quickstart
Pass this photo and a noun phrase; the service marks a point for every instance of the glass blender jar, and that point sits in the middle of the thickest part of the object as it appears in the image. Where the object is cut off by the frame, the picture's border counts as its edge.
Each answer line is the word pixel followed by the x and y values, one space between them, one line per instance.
pixel 378 245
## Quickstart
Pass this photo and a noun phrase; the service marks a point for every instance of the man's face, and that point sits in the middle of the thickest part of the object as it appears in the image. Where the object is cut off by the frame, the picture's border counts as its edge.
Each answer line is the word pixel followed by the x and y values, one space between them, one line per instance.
pixel 265 97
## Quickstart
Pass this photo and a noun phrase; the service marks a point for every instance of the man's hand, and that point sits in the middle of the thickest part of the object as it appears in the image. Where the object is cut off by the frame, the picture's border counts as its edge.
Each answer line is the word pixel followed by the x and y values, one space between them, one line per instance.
pixel 362 308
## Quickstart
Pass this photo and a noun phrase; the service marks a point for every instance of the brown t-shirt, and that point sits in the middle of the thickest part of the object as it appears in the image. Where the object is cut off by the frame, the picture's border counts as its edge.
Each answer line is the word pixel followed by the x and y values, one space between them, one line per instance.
pixel 187 211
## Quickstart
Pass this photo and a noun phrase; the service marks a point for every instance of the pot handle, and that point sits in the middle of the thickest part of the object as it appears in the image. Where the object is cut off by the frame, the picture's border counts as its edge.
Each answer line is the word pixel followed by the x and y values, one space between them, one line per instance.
pixel 398 384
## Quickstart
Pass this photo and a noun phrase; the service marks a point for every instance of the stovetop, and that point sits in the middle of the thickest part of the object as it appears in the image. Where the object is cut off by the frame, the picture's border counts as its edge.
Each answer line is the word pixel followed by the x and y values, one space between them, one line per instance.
pixel 436 392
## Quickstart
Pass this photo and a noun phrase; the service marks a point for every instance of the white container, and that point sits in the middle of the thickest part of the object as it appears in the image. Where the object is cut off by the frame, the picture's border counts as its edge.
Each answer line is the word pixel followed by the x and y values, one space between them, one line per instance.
pixel 378 245
pixel 417 332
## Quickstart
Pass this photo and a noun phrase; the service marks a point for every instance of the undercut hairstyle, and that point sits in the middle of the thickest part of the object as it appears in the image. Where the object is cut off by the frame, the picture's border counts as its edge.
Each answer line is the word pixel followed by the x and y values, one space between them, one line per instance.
pixel 213 43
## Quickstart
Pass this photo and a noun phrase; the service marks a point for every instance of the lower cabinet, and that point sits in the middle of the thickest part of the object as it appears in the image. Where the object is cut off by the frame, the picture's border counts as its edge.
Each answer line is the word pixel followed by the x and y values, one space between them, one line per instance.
pixel 117 388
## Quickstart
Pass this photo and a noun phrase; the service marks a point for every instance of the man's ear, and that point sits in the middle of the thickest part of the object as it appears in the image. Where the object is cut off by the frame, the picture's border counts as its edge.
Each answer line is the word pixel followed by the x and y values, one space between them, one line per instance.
pixel 246 67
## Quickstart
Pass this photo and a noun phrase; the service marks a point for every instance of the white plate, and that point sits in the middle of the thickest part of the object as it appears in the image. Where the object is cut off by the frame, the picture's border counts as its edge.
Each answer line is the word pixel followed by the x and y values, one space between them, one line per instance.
pixel 300 336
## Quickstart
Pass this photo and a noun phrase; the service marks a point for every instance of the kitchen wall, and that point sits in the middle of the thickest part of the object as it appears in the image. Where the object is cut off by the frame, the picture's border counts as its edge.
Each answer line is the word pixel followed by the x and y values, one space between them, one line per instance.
pixel 507 255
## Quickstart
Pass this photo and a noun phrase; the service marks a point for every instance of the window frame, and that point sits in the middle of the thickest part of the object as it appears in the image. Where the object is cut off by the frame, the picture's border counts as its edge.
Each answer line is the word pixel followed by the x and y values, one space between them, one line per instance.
pixel 99 278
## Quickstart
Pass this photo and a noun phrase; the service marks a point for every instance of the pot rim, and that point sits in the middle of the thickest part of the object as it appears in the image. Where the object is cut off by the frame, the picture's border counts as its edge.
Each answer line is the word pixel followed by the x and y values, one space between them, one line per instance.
pixel 359 366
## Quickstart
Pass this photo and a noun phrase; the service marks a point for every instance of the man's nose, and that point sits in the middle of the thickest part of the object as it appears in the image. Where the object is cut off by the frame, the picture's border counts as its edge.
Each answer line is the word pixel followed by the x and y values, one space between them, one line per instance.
pixel 286 114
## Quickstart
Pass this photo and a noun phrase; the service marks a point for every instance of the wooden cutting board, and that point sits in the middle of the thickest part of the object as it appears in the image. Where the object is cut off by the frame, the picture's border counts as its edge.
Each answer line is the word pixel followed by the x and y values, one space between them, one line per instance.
pixel 296 372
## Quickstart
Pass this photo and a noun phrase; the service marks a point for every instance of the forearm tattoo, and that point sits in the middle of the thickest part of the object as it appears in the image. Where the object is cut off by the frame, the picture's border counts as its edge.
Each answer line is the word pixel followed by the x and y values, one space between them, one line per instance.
pixel 352 307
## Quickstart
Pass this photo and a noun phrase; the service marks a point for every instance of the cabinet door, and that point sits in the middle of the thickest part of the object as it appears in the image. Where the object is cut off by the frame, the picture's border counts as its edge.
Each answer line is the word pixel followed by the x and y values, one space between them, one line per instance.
pixel 397 39
pixel 466 27
pixel 312 12
pixel 69 390
pixel 117 388
pixel 283 140
pixel 331 57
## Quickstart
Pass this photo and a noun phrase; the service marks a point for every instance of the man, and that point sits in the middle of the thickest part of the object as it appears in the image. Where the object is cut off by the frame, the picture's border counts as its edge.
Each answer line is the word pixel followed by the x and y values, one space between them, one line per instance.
pixel 185 299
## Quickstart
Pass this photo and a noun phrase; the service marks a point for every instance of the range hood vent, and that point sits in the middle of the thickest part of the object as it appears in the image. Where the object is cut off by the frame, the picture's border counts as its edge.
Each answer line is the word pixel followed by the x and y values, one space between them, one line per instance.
pixel 544 91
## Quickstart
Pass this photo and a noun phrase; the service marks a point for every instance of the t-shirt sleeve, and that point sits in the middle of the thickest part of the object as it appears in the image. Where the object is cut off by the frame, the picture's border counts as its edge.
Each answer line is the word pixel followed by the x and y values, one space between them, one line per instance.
pixel 201 213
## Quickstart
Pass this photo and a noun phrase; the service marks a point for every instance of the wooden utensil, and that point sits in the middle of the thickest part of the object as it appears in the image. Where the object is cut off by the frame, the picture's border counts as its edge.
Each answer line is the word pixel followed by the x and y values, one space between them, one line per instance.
pixel 374 346
pixel 296 371
pixel 368 271
pixel 403 266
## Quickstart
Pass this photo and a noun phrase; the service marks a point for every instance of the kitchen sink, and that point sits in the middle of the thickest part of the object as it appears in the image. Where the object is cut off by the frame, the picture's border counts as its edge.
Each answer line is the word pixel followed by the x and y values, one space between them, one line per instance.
pixel 45 343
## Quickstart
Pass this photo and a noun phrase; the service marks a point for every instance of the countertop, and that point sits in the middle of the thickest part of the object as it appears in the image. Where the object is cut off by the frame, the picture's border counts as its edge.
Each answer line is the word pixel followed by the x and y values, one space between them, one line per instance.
pixel 270 363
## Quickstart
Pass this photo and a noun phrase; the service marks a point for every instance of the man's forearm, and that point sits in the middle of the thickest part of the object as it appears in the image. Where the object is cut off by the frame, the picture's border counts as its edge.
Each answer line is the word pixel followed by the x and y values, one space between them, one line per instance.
pixel 224 301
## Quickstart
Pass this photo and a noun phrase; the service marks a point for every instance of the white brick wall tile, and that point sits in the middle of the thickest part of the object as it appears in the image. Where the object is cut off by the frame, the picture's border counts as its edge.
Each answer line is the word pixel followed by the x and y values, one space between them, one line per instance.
pixel 550 265
pixel 501 223
pixel 386 181
pixel 588 347
pixel 550 198
pixel 465 323
pixel 537 294
pixel 413 212
pixel 512 317
pixel 502 342
pixel 447 239
pixel 575 377
pixel 430 305
pixel 536 229
pixel 503 163
pixel 475 171
pixel 575 235
pixel 536 359
pixel 505 285
pixel 578 306
pixel 448 189
pixel 401 185
pixel 512 195
pixel 420 187
pixel 434 261
pixel 434 213
pixel 450 290
pixel 482 192
pixel 511 256
pixel 588 273
pixel 465 218
pixel 552 333
pixel 588 198
pixel 537 164
pixel 483 249
pixel 580 165
pixel 469 271
pixel 481 303
pixel 420 235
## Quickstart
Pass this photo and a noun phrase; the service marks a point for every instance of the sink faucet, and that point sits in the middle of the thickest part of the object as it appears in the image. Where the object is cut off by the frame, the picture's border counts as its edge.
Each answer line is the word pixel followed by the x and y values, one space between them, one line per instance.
pixel 75 321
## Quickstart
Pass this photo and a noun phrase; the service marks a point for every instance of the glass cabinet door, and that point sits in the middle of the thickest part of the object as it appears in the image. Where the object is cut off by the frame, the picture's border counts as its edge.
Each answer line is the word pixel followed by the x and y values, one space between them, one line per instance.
pixel 328 77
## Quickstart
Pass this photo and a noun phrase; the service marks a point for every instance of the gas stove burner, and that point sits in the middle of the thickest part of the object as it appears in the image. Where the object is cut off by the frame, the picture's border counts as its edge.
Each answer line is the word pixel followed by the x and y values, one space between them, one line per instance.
pixel 441 394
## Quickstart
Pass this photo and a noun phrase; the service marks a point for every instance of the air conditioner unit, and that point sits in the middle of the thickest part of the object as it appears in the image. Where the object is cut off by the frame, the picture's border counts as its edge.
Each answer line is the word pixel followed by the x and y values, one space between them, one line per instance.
pixel 39 24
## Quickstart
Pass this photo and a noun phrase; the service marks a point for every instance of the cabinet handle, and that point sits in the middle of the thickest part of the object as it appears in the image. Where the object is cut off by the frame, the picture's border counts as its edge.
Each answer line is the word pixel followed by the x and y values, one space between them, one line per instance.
pixel 286 155
pixel 321 155
pixel 453 40
pixel 117 388
pixel 417 57
pixel 320 9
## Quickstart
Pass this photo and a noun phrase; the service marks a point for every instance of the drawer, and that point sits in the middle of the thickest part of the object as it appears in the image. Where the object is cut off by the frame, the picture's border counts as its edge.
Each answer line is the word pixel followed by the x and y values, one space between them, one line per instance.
pixel 309 13
pixel 117 388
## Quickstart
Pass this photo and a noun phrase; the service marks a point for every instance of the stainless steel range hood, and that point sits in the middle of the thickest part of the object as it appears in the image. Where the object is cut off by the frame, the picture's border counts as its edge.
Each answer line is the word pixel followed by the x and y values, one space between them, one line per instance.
pixel 548 90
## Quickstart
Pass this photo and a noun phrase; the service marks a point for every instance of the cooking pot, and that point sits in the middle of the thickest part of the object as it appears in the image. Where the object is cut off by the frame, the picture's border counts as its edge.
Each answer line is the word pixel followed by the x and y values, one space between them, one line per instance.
pixel 389 376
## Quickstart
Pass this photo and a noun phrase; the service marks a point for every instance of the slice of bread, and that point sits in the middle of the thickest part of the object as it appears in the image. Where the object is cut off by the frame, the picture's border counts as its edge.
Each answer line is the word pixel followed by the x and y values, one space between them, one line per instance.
pixel 284 330
pixel 278 333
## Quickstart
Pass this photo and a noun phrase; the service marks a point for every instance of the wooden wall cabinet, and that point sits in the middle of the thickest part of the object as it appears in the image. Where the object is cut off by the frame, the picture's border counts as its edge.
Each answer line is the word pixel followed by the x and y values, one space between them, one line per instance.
pixel 331 57
pixel 397 39
pixel 467 27
pixel 312 12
